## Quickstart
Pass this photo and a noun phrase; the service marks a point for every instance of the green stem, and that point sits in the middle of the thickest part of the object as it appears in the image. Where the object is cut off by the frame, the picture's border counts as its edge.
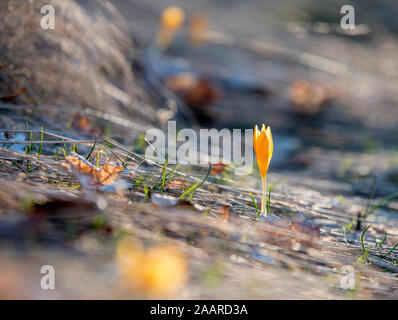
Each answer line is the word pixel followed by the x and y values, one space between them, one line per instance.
pixel 264 180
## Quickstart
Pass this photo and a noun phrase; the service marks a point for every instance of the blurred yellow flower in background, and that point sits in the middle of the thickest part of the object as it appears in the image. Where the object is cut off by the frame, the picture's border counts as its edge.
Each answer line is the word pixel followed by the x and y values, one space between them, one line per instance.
pixel 170 21
pixel 172 17
pixel 198 26
pixel 264 147
pixel 159 271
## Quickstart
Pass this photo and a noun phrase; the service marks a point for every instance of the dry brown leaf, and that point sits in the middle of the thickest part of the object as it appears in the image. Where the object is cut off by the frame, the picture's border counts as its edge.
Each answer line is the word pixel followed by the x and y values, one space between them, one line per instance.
pixel 105 175
pixel 196 91
pixel 225 214
pixel 217 168
pixel 202 94
pixel 308 98
pixel 82 123
pixel 12 96
pixel 82 166
pixel 108 174
pixel 176 184
pixel 223 220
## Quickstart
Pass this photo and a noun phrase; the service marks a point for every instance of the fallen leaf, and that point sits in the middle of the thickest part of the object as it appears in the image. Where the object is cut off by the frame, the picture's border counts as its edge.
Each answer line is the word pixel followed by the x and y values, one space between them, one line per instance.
pixel 12 96
pixel 217 168
pixel 203 93
pixel 195 91
pixel 103 175
pixel 108 174
pixel 225 214
pixel 308 98
pixel 82 123
pixel 80 164
pixel 176 184
pixel 223 219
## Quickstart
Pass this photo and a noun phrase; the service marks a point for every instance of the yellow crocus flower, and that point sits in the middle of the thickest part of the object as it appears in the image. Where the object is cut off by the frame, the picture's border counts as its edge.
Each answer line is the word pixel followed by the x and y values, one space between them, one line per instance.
pixel 170 21
pixel 264 147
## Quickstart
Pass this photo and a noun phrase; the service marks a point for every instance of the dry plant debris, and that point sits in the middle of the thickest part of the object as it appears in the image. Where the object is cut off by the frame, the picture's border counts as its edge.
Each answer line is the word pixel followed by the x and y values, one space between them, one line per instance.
pixel 103 175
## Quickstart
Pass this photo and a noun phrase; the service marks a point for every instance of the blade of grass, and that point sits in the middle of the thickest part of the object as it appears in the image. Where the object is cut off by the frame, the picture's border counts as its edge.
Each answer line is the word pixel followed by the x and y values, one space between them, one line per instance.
pixel 392 249
pixel 92 149
pixel 381 203
pixel 138 181
pixel 28 148
pixel 164 175
pixel 148 182
pixel 269 199
pixel 255 205
pixel 41 139
pixel 176 167
pixel 161 175
pixel 146 190
pixel 158 184
pixel 65 148
pixel 365 250
pixel 192 189
pixel 379 244
pixel 97 160
pixel 127 156
pixel 189 190
pixel 148 175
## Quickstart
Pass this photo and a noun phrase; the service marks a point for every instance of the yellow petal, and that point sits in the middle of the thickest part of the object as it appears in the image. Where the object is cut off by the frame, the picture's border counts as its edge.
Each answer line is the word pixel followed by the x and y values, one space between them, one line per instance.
pixel 262 152
pixel 255 135
pixel 271 143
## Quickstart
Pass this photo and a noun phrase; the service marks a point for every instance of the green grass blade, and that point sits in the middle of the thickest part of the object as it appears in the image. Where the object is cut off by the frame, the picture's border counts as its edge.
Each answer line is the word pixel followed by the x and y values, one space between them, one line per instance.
pixel 365 250
pixel 255 205
pixel 382 241
pixel 41 139
pixel 92 149
pixel 268 201
pixel 192 190
pixel 97 159
pixel 164 175
pixel 392 249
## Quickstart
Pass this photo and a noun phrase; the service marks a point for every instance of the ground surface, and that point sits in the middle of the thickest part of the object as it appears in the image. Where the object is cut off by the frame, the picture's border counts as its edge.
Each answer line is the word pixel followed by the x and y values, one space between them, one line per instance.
pixel 336 167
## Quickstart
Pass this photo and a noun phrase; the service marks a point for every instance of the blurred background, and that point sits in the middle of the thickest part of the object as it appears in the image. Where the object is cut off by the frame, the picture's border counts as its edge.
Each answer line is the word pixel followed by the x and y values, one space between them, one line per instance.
pixel 287 64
